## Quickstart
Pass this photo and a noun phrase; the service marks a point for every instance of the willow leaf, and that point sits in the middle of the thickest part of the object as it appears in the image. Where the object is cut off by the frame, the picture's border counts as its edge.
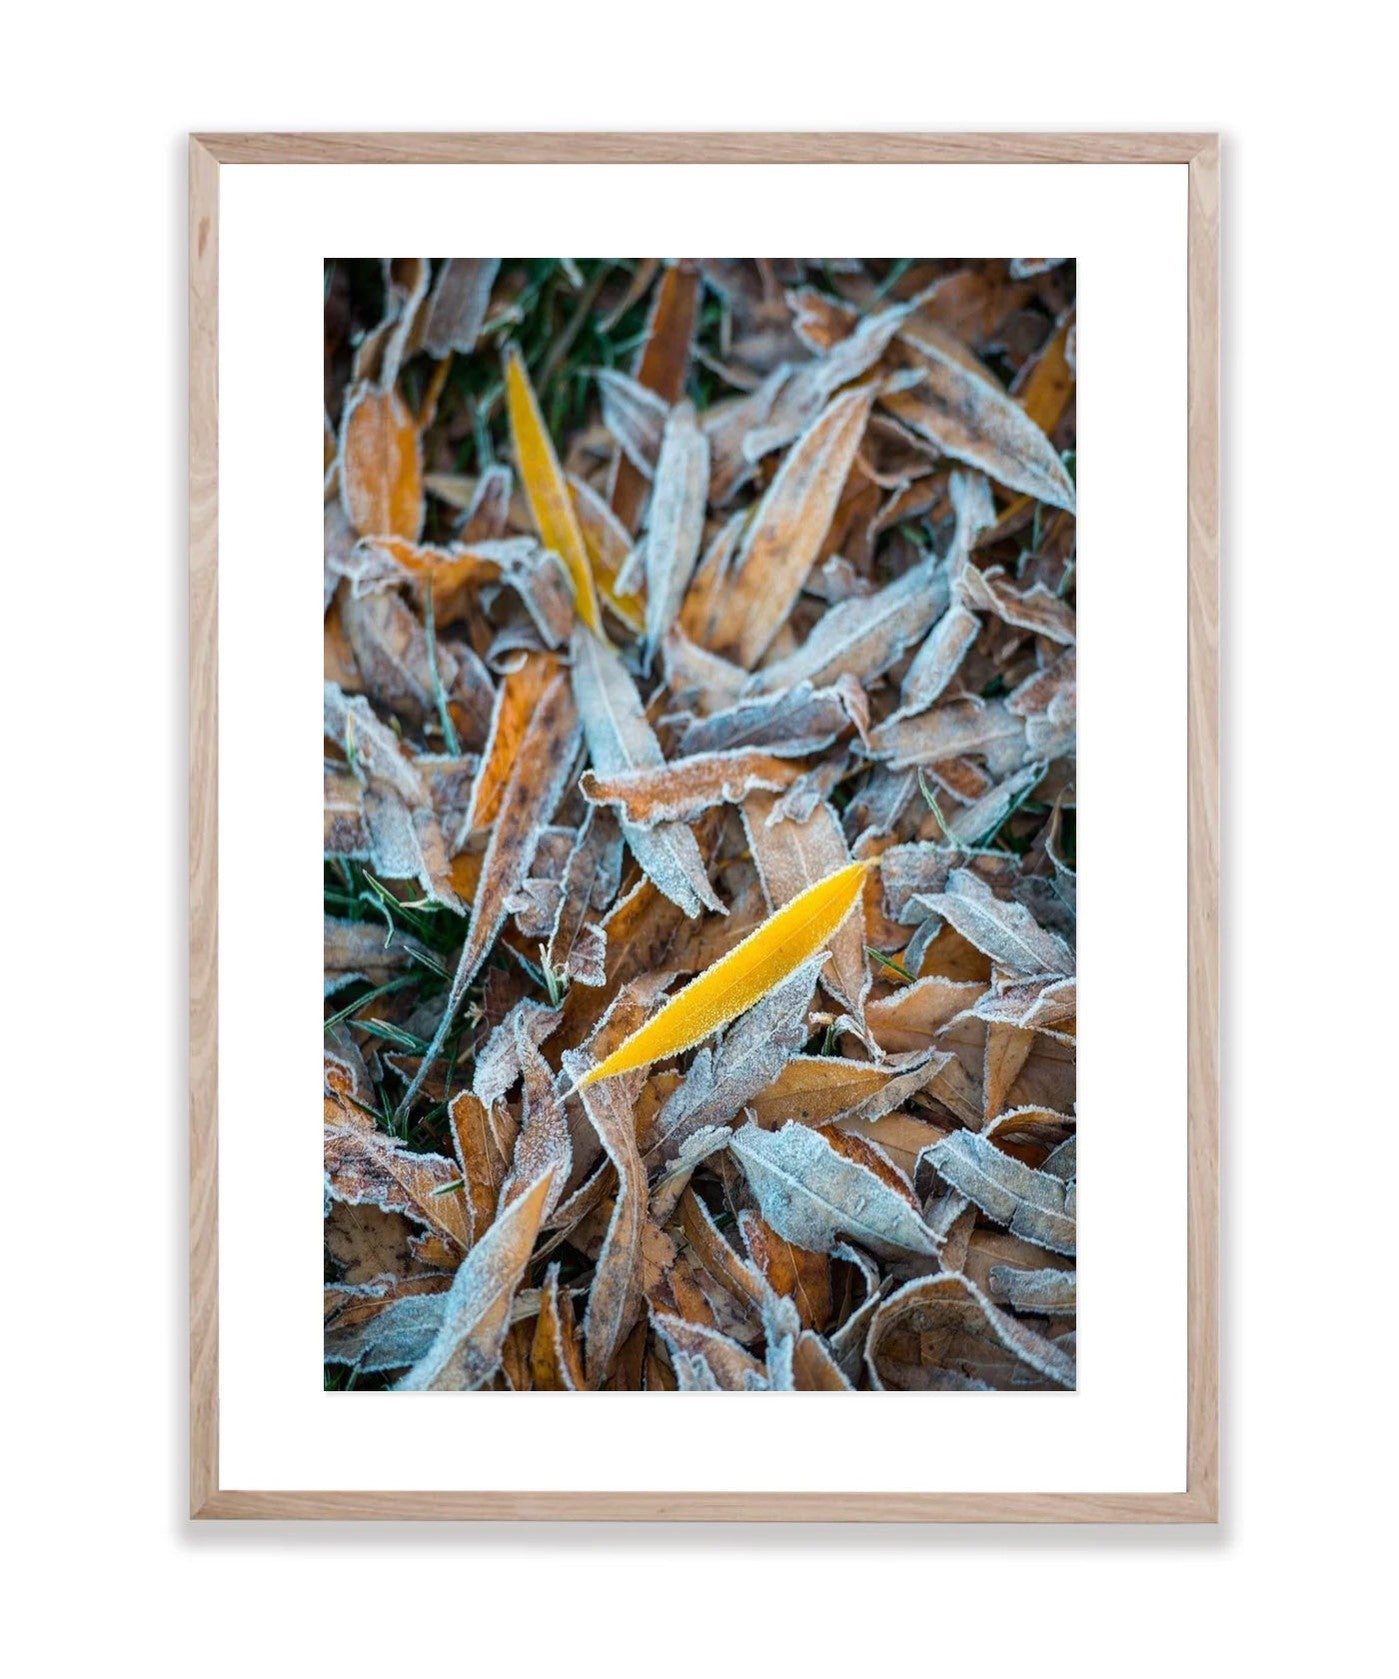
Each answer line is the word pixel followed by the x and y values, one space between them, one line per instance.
pixel 546 489
pixel 749 971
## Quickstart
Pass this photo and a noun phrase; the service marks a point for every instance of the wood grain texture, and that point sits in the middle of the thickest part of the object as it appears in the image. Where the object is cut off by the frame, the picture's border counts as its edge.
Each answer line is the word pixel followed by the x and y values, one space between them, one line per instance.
pixel 203 825
pixel 1199 1502
pixel 703 148
pixel 1203 816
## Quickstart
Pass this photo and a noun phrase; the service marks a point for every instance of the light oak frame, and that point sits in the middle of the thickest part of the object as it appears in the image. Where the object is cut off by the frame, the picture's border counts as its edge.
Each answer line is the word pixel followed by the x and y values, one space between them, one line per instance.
pixel 1199 153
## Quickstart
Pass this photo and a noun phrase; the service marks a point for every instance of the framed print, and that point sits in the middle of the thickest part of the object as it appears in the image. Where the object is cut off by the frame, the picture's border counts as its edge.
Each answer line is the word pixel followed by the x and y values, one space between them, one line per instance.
pixel 728 909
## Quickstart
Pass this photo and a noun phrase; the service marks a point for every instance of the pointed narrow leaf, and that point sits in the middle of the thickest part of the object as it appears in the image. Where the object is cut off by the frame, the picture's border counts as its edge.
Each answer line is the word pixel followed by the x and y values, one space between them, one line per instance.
pixel 546 489
pixel 750 970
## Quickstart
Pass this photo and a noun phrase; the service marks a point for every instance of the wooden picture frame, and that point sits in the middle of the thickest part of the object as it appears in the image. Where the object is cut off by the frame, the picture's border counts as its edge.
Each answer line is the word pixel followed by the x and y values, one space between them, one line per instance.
pixel 1199 153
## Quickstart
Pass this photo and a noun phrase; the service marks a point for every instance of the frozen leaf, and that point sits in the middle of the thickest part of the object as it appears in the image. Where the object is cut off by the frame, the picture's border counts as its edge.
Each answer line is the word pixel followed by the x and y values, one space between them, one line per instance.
pixel 789 723
pixel 661 368
pixel 635 416
pixel 791 857
pixel 498 1062
pixel 1006 931
pixel 543 1144
pixel 364 1164
pixel 721 1363
pixel 381 470
pixel 675 520
pixel 1047 1291
pixel 784 942
pixel 393 1339
pixel 958 406
pixel 609 549
pixel 536 783
pixel 686 787
pixel 456 310
pixel 942 1332
pixel 615 1299
pixel 620 739
pixel 746 1060
pixel 1031 1204
pixel 788 529
pixel 987 728
pixel 551 506
pixel 814 1196
pixel 465 1352
pixel 484 1136
pixel 372 750
pixel 863 637
pixel 798 1274
pixel 517 700
pixel 554 1356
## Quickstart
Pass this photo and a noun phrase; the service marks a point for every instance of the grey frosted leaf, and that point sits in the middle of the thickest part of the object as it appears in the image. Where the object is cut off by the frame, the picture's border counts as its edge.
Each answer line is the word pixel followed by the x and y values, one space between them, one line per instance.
pixel 365 1165
pixel 615 1298
pixel 974 822
pixel 747 1059
pixel 1035 1003
pixel 343 825
pixel 370 747
pixel 964 1340
pixel 953 729
pixel 635 416
pixel 813 1196
pixel 498 1063
pixel 620 738
pixel 465 1352
pixel 782 1328
pixel 391 651
pixel 683 789
pixel 1047 1291
pixel 1005 931
pixel 791 722
pixel 409 845
pixel 864 636
pixel 1030 1203
pixel 543 1144
pixel 1063 1162
pixel 393 1339
pixel 369 948
pixel 728 1365
pixel 938 659
pixel 959 406
pixel 456 310
pixel 674 521
pixel 590 880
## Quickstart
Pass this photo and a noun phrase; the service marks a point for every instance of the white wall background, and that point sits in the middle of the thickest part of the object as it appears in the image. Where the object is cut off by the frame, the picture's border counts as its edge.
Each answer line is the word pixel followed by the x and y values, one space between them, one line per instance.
pixel 96 105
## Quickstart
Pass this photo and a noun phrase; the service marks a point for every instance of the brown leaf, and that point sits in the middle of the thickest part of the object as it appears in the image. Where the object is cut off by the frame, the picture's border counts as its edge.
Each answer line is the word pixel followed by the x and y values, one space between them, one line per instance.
pixel 554 1356
pixel 940 1332
pixel 465 1352
pixel 801 1275
pixel 686 787
pixel 661 367
pixel 788 529
pixel 536 783
pixel 381 471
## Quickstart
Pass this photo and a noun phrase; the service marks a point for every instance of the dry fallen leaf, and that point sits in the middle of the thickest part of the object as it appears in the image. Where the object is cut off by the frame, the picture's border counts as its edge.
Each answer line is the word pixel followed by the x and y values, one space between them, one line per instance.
pixel 751 969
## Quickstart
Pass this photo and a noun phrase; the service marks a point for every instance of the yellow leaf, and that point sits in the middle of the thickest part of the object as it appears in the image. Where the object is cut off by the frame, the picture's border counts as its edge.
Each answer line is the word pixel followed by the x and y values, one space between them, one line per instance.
pixel 750 970
pixel 546 489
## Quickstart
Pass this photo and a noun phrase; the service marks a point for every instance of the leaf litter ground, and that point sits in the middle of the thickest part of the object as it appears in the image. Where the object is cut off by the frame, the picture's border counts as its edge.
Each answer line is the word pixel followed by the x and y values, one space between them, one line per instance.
pixel 699 824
